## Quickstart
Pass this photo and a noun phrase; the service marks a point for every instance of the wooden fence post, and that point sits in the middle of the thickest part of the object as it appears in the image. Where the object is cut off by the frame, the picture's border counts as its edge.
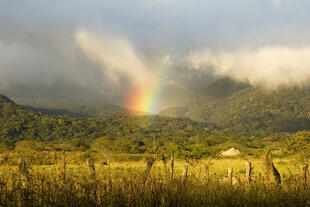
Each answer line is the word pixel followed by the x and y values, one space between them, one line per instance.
pixel 164 160
pixel 55 158
pixel 271 170
pixel 230 174
pixel 23 171
pixel 305 173
pixel 248 171
pixel 185 171
pixel 172 165
pixel 207 171
pixel 64 166
pixel 91 168
pixel 147 171
pixel 25 180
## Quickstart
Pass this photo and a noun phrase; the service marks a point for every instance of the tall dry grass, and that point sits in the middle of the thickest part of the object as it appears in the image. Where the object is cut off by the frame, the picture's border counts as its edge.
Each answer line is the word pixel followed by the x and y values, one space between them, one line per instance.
pixel 129 187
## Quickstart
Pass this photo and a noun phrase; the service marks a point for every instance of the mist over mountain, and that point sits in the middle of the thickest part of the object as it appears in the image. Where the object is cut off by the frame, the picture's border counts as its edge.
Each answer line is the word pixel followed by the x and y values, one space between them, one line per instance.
pixel 250 110
pixel 200 58
pixel 231 106
pixel 104 50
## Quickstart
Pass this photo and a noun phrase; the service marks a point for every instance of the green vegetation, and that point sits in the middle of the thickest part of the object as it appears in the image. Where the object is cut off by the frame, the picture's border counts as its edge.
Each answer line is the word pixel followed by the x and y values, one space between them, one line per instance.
pixel 123 133
pixel 124 184
pixel 252 111
pixel 120 143
pixel 22 129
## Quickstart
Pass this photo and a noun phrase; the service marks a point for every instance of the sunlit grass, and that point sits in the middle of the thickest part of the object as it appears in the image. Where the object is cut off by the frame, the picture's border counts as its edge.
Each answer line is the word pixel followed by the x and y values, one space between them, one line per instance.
pixel 121 184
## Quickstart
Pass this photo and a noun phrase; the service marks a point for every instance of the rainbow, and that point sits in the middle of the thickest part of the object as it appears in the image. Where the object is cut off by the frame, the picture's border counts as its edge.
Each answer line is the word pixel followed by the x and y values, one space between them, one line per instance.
pixel 145 97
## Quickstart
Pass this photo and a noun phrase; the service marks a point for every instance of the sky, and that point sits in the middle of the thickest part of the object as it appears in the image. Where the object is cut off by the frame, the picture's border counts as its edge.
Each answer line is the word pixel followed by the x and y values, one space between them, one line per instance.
pixel 149 54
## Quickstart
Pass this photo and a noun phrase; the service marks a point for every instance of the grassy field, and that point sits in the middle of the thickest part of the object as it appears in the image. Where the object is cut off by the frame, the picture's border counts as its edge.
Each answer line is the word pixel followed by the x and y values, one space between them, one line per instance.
pixel 218 167
pixel 127 183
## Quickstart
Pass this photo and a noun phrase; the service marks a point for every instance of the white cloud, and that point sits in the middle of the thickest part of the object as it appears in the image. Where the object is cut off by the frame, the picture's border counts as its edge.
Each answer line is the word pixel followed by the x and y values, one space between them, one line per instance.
pixel 115 54
pixel 268 66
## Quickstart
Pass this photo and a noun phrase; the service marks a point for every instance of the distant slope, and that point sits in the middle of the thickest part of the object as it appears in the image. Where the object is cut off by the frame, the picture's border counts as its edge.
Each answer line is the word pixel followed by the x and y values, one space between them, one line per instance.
pixel 20 123
pixel 72 108
pixel 253 111
pixel 174 111
pixel 5 100
pixel 222 88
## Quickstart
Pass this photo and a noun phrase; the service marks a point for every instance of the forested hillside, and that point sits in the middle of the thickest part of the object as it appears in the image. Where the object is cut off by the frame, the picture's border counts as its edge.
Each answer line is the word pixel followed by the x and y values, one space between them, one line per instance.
pixel 19 123
pixel 252 111
pixel 24 129
pixel 72 108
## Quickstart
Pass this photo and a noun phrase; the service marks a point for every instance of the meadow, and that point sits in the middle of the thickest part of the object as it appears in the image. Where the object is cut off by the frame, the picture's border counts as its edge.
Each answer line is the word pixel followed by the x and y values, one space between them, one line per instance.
pixel 72 181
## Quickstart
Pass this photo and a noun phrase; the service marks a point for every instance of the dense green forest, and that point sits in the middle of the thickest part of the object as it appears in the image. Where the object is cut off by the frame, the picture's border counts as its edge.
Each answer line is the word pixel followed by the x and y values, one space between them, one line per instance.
pixel 130 134
pixel 250 110
pixel 235 108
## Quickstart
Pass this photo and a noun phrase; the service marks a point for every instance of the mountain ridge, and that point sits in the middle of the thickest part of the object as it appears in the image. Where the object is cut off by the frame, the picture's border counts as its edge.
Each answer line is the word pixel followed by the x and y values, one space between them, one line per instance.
pixel 252 109
pixel 73 108
pixel 5 99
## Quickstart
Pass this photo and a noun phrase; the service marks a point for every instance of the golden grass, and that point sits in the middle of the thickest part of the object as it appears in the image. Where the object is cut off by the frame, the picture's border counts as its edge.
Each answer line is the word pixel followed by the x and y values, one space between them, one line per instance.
pixel 120 184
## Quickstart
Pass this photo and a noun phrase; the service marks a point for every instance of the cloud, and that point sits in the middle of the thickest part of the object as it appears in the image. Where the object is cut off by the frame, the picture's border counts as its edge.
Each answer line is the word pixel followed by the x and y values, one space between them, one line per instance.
pixel 32 72
pixel 118 59
pixel 114 54
pixel 39 57
pixel 280 2
pixel 22 63
pixel 269 66
pixel 277 2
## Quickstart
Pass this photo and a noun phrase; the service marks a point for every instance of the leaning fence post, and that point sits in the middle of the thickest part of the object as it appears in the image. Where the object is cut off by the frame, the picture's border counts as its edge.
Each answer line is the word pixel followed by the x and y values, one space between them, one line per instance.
pixel 185 171
pixel 230 175
pixel 305 173
pixel 146 172
pixel 207 171
pixel 248 171
pixel 164 160
pixel 64 166
pixel 172 165
pixel 91 167
pixel 23 171
pixel 271 170
pixel 24 176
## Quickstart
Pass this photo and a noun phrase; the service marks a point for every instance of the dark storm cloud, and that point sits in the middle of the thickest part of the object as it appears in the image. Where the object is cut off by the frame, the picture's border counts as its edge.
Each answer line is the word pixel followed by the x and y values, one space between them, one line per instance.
pixel 42 56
